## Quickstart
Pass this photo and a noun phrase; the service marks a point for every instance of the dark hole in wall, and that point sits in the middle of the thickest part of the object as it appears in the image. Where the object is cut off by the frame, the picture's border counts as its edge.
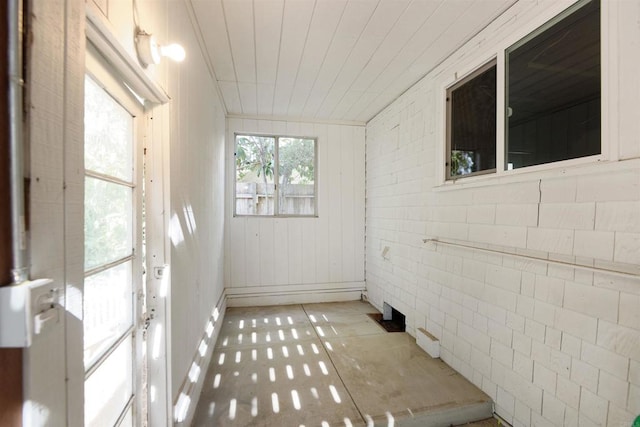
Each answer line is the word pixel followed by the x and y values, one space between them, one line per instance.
pixel 395 324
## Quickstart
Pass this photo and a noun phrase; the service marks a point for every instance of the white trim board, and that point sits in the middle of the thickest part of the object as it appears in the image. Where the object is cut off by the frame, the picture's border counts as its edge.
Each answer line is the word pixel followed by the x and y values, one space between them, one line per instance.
pixel 99 33
pixel 192 389
pixel 294 294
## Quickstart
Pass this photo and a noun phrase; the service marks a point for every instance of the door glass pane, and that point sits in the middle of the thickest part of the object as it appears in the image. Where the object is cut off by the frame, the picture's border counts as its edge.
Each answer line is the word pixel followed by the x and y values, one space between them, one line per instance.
pixel 254 175
pixel 109 286
pixel 108 134
pixel 109 388
pixel 108 307
pixel 296 172
pixel 108 220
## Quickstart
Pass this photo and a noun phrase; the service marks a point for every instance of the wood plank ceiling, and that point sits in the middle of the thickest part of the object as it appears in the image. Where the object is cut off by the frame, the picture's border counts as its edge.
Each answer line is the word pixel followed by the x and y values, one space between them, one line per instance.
pixel 337 60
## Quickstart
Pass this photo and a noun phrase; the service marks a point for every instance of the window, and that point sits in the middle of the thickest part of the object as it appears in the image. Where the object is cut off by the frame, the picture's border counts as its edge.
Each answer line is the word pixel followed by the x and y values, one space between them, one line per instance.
pixel 553 91
pixel 552 99
pixel 275 176
pixel 471 105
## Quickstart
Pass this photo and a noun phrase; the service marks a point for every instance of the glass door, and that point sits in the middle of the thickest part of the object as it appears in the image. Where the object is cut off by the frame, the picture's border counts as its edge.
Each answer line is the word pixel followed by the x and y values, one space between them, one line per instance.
pixel 113 263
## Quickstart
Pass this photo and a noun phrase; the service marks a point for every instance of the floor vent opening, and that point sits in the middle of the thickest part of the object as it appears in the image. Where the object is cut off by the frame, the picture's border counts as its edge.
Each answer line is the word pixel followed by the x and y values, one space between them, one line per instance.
pixel 391 320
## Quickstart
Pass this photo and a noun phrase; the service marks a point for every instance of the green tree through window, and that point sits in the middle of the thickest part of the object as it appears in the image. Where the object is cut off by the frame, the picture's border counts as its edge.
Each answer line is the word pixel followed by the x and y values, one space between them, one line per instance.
pixel 262 162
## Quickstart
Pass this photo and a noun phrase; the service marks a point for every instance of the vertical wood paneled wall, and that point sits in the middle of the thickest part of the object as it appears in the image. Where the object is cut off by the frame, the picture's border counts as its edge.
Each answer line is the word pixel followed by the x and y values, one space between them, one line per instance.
pixel 266 254
pixel 197 132
pixel 54 370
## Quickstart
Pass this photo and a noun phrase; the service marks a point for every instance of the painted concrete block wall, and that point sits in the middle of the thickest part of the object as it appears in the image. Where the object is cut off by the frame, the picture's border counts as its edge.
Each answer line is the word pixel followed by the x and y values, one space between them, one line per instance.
pixel 515 309
pixel 278 260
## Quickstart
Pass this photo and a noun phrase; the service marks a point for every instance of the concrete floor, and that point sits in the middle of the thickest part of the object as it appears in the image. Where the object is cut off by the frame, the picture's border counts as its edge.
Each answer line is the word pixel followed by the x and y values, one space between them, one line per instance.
pixel 328 365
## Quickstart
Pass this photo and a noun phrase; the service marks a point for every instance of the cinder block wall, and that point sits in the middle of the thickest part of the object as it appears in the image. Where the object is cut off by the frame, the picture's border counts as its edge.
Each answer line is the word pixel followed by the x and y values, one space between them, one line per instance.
pixel 552 343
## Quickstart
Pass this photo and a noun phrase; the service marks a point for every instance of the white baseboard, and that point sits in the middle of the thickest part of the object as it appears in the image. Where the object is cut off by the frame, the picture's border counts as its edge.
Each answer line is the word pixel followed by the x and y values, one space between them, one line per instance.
pixel 186 401
pixel 294 294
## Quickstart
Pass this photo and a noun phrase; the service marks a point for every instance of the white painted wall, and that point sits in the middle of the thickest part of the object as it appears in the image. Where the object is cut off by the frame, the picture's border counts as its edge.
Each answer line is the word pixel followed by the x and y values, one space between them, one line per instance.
pixel 551 343
pixel 53 366
pixel 197 133
pixel 280 260
pixel 189 131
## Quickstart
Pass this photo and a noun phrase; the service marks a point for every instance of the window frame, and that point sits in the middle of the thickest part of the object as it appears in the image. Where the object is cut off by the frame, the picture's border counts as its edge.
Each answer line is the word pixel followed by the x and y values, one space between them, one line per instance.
pixel 448 116
pixel 540 23
pixel 276 175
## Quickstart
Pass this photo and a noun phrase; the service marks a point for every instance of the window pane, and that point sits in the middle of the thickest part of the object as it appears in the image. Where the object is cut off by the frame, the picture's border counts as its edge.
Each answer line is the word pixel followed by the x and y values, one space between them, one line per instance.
pixel 553 91
pixel 108 308
pixel 108 219
pixel 296 174
pixel 109 388
pixel 254 175
pixel 108 134
pixel 472 124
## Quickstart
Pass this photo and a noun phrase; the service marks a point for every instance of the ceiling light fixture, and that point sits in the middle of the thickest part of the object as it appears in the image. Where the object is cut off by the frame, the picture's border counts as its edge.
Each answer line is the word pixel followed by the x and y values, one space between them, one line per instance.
pixel 150 52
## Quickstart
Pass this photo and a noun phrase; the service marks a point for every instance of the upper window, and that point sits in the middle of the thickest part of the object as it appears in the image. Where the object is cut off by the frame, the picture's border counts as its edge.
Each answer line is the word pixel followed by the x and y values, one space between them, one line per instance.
pixel 552 99
pixel 275 176
pixel 471 106
pixel 553 91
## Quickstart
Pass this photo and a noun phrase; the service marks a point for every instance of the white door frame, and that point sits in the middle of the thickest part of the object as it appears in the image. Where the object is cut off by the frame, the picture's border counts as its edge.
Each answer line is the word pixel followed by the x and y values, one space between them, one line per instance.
pixel 157 202
pixel 157 206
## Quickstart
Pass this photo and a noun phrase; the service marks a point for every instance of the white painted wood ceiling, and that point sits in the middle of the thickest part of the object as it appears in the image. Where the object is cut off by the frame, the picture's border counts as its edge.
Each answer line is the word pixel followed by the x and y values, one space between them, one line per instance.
pixel 342 60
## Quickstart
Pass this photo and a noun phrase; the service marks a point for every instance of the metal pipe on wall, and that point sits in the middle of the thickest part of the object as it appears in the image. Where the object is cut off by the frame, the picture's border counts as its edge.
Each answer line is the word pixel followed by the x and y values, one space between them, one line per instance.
pixel 19 269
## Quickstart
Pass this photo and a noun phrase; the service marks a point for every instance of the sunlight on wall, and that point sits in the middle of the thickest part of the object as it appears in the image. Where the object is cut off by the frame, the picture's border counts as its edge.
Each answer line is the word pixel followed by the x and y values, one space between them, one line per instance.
pixel 176 230
pixel 157 340
pixel 202 348
pixel 182 407
pixel 164 283
pixel 194 372
pixel 209 329
pixel 190 219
